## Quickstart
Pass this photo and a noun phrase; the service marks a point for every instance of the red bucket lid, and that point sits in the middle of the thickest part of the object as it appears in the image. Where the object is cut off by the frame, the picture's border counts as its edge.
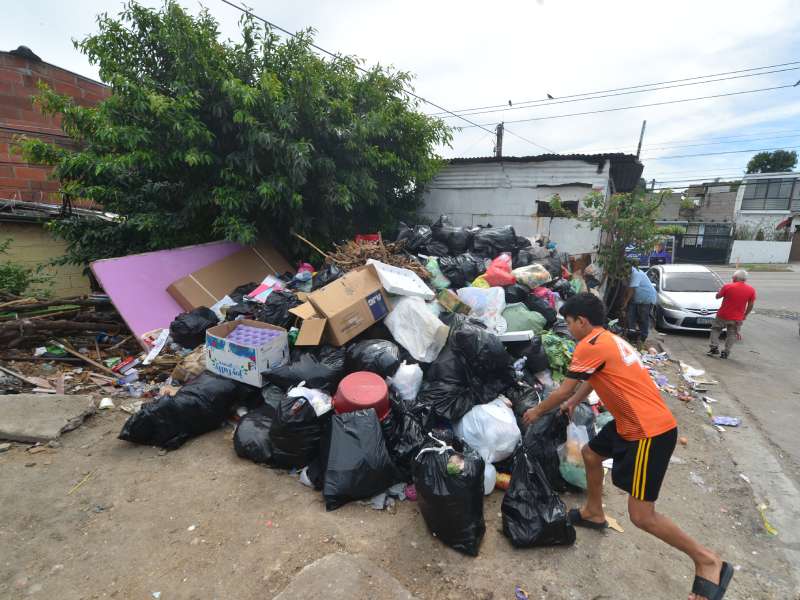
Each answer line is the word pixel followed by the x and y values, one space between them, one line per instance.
pixel 362 390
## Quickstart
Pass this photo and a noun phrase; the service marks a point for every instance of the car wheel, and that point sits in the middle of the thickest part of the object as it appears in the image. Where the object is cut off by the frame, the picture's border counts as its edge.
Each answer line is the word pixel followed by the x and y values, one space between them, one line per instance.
pixel 658 320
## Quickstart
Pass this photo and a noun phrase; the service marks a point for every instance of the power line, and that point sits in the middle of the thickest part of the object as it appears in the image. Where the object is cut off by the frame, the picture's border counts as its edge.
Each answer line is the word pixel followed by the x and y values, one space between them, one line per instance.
pixel 607 110
pixel 719 153
pixel 598 97
pixel 356 65
pixel 728 137
pixel 735 141
pixel 634 86
pixel 529 141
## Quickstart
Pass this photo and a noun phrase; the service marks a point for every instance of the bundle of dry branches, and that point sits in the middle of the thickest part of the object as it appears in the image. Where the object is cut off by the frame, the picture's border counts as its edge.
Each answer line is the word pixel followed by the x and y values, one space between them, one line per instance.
pixel 352 255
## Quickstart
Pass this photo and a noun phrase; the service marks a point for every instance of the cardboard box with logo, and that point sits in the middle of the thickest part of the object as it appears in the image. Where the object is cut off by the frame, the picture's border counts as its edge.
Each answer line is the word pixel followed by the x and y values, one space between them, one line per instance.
pixel 242 360
pixel 342 309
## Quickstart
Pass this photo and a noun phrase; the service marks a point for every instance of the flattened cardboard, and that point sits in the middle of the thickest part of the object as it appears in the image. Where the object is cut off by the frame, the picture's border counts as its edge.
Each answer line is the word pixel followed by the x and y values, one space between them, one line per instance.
pixel 342 309
pixel 242 362
pixel 210 284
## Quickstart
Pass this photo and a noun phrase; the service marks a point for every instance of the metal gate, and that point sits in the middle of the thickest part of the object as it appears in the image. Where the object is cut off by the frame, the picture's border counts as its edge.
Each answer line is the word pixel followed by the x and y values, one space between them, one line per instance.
pixel 702 249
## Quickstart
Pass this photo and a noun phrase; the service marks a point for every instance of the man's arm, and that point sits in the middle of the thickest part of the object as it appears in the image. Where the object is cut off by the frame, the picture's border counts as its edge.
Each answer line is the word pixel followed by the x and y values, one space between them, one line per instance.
pixel 750 305
pixel 561 394
pixel 721 292
pixel 627 297
pixel 580 394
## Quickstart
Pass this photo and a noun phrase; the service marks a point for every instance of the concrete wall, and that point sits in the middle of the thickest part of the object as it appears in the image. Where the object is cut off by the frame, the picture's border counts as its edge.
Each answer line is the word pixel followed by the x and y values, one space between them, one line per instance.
pixel 760 252
pixel 18 116
pixel 507 194
pixel 33 245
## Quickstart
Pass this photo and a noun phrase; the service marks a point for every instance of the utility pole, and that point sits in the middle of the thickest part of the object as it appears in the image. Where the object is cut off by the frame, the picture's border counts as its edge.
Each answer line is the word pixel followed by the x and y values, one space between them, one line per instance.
pixel 498 145
pixel 641 137
pixel 653 185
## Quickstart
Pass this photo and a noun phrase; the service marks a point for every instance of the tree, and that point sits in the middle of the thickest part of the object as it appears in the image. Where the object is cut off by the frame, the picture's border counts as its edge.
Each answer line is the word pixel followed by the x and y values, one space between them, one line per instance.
pixel 772 162
pixel 203 139
pixel 625 220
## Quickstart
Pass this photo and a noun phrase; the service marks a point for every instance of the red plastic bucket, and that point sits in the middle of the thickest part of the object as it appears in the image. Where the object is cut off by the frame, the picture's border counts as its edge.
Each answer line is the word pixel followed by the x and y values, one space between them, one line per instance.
pixel 362 390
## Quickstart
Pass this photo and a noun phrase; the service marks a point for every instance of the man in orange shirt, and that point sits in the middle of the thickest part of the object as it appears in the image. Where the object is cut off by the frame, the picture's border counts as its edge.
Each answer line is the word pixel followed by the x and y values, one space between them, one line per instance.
pixel 640 439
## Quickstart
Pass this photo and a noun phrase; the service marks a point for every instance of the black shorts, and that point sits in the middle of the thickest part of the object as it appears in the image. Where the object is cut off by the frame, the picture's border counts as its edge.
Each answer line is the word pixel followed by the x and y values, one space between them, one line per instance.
pixel 639 466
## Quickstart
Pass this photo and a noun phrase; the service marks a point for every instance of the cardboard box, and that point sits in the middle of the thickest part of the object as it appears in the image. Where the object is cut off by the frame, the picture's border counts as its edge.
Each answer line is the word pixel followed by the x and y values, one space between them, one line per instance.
pixel 244 362
pixel 210 284
pixel 342 309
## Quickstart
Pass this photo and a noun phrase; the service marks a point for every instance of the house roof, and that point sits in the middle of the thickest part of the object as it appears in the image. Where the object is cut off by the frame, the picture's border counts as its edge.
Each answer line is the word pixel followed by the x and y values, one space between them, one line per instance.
pixel 17 211
pixel 626 169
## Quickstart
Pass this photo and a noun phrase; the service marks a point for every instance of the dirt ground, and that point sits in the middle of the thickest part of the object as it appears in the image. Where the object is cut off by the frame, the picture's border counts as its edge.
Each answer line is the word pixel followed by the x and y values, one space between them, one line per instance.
pixel 202 523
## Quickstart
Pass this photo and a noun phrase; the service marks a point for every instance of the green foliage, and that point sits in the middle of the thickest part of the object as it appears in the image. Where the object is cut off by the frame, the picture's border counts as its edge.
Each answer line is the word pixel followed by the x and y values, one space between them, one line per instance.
pixel 760 235
pixel 670 230
pixel 772 162
pixel 16 279
pixel 204 139
pixel 557 208
pixel 687 204
pixel 625 220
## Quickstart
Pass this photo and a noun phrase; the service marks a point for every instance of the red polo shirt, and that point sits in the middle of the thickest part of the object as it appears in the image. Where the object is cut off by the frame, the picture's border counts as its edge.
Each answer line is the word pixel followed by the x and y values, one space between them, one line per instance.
pixel 735 297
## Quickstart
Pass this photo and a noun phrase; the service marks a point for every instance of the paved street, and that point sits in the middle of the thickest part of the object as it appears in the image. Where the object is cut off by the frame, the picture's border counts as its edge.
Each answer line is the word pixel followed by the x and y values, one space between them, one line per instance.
pixel 759 384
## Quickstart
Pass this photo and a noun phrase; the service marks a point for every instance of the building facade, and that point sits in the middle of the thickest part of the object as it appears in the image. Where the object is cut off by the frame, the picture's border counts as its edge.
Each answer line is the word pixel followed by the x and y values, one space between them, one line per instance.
pixel 517 191
pixel 765 201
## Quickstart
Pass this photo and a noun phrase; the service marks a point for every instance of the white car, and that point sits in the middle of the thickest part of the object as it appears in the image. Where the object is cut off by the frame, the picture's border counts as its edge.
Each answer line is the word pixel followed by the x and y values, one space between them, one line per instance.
pixel 686 296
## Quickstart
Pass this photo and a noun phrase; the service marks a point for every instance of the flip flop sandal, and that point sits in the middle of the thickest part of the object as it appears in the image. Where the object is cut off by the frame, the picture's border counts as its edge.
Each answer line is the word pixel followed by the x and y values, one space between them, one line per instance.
pixel 703 587
pixel 575 518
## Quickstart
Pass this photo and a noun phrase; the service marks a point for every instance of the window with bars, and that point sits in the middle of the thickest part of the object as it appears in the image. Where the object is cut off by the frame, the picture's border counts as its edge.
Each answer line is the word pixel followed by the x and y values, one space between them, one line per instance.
pixel 771 194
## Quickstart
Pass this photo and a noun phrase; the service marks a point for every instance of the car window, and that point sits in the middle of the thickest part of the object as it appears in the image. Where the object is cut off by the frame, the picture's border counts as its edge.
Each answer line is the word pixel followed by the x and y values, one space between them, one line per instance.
pixel 692 282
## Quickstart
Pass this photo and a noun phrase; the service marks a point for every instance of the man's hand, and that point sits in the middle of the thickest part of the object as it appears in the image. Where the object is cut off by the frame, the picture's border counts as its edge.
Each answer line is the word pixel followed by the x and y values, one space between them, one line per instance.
pixel 567 407
pixel 530 416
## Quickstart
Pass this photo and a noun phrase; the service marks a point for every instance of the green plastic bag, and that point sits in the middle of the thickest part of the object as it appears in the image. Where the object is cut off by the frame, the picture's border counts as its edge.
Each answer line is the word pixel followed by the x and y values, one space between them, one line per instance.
pixel 438 280
pixel 519 318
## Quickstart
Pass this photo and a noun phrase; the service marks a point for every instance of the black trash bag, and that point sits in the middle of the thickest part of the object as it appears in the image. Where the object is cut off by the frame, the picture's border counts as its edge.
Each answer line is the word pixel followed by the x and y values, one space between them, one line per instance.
pixel 198 407
pixel 378 356
pixel 457 239
pixel 493 241
pixel 404 437
pixel 251 439
pixel 189 328
pixel 461 270
pixel 541 306
pixel 541 442
pixel 359 465
pixel 552 264
pixel 238 294
pixel 275 309
pixel 584 415
pixel 417 237
pixel 518 292
pixel 533 514
pixel 523 397
pixel 321 369
pixel 452 505
pixel 435 249
pixel 490 369
pixel 445 389
pixel 529 255
pixel 561 328
pixel 324 276
pixel 243 310
pixel 564 289
pixel 296 434
pixel 536 356
pixel 522 243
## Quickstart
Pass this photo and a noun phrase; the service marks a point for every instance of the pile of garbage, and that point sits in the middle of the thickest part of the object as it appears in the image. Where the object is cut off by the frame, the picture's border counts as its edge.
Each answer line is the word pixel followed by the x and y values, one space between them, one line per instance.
pixel 379 379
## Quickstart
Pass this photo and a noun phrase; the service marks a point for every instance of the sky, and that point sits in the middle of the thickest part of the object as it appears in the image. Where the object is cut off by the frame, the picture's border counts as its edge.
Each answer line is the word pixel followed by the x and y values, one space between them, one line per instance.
pixel 478 54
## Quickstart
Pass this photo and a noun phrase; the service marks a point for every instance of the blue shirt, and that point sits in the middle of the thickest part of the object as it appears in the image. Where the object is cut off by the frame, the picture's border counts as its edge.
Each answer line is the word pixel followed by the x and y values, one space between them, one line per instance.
pixel 644 292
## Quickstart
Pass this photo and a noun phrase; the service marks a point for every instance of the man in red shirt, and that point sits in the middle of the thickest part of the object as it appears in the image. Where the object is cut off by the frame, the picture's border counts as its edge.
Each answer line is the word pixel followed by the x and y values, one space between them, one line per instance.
pixel 738 299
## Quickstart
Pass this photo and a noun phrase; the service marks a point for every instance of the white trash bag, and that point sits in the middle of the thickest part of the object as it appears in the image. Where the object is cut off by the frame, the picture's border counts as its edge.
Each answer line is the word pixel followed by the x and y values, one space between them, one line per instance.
pixel 491 429
pixel 406 381
pixel 487 304
pixel 416 329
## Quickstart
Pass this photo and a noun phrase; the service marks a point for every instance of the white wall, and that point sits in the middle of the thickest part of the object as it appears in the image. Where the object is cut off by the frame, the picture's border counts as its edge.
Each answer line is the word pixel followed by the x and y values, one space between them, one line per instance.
pixel 506 194
pixel 745 251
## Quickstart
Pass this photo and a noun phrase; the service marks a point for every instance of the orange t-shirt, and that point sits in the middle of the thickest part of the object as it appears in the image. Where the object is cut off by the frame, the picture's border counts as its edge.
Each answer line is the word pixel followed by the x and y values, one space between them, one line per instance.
pixel 615 371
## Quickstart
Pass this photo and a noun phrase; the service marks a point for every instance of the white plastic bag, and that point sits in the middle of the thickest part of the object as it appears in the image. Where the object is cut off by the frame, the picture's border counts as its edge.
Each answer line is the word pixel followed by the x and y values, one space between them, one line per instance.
pixel 406 381
pixel 491 429
pixel 571 460
pixel 489 478
pixel 414 327
pixel 487 304
pixel 319 400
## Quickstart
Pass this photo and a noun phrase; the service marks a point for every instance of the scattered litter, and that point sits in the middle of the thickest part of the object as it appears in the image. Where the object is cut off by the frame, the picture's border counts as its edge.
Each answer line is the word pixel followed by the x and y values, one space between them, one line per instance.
pixel 191 528
pixel 697 480
pixel 520 594
pixel 106 403
pixel 762 510
pixel 744 477
pixel 728 421
pixel 80 483
pixel 683 440
pixel 614 524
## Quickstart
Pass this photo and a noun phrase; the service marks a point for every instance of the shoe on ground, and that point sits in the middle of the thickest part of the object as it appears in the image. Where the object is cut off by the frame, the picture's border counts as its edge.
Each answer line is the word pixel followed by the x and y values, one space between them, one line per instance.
pixel 713 352
pixel 723 354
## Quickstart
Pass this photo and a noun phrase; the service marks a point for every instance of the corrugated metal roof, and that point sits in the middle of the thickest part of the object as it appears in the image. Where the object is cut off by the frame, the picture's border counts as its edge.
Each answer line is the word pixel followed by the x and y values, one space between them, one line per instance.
pixel 626 169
